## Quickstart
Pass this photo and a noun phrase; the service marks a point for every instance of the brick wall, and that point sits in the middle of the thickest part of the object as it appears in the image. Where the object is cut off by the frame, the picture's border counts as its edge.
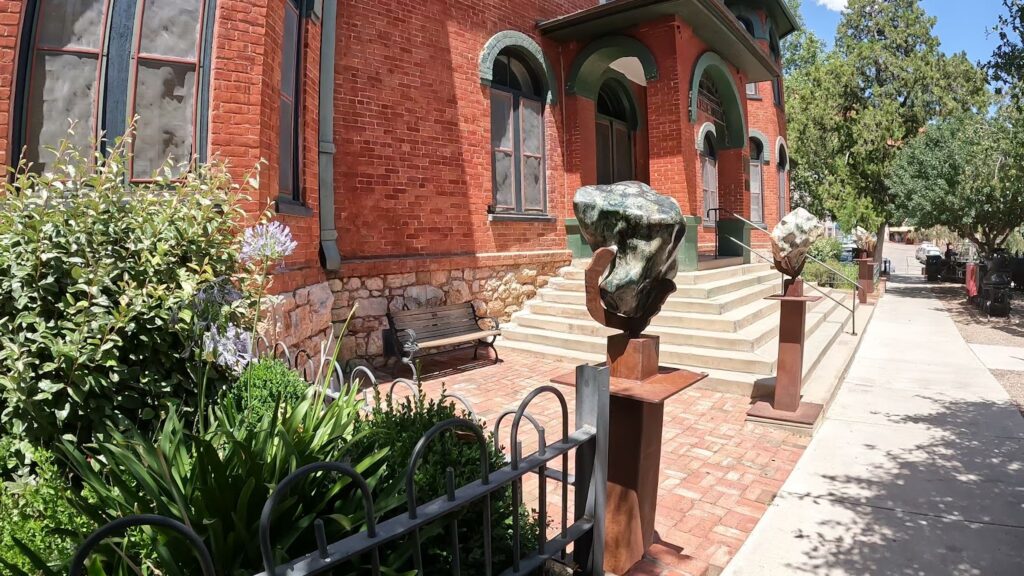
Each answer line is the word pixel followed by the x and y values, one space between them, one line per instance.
pixel 11 16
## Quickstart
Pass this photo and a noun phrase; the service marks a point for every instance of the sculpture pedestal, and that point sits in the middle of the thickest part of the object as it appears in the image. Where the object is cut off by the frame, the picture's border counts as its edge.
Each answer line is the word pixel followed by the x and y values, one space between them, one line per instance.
pixel 786 405
pixel 639 389
pixel 865 278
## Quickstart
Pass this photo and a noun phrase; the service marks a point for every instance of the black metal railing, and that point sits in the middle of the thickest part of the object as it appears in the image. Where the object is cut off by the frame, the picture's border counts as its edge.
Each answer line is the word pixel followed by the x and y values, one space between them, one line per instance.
pixel 588 441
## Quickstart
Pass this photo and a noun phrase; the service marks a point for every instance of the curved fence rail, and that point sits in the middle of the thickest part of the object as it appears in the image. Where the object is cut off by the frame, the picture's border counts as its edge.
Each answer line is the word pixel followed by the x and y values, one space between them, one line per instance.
pixel 588 440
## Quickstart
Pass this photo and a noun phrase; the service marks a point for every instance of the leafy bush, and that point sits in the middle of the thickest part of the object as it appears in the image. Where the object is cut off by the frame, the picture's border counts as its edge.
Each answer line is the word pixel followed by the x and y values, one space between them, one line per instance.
pixel 97 282
pixel 218 481
pixel 826 249
pixel 814 272
pixel 37 524
pixel 264 387
pixel 399 425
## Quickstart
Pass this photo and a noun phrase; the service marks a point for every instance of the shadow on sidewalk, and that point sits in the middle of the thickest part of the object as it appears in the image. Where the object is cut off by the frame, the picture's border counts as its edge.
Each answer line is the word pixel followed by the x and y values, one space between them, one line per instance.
pixel 958 480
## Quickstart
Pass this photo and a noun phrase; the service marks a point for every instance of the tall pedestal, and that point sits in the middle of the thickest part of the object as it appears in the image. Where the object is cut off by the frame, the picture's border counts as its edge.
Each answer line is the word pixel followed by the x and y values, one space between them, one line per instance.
pixel 865 278
pixel 786 404
pixel 636 415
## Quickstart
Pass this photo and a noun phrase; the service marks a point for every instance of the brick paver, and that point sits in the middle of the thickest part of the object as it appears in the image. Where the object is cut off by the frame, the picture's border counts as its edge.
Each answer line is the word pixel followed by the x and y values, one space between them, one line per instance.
pixel 718 473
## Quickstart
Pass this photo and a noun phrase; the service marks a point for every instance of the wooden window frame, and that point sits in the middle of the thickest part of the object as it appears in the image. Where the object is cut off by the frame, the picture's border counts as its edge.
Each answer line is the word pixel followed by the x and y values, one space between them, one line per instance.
pixel 114 100
pixel 296 198
pixel 515 120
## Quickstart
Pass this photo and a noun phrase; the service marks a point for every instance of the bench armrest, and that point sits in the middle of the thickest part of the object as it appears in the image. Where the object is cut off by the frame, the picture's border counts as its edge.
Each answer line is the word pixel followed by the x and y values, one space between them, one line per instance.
pixel 497 325
pixel 407 342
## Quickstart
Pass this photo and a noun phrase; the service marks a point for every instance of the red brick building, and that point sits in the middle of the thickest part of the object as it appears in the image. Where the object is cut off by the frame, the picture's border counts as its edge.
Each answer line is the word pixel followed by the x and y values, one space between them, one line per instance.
pixel 422 152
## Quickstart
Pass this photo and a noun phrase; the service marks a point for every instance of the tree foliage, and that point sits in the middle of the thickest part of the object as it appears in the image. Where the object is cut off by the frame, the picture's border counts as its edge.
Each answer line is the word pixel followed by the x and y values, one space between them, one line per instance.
pixel 853 108
pixel 965 173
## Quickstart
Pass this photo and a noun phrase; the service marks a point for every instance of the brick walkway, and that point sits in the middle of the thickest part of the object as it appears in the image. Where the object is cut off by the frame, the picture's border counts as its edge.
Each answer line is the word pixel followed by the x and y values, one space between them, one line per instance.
pixel 718 473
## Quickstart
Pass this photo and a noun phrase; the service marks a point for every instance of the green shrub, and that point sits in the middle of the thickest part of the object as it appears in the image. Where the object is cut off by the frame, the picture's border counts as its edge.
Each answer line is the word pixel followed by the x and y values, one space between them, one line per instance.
pixel 826 249
pixel 218 481
pixel 264 387
pixel 97 284
pixel 399 425
pixel 36 519
pixel 814 272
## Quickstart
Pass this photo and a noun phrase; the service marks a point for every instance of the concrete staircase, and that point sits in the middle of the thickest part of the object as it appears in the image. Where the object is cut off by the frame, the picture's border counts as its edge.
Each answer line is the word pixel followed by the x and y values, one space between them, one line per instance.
pixel 716 322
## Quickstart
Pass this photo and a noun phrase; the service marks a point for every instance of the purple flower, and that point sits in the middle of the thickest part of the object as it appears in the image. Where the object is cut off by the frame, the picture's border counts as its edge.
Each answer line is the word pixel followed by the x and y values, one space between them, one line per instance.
pixel 230 349
pixel 267 242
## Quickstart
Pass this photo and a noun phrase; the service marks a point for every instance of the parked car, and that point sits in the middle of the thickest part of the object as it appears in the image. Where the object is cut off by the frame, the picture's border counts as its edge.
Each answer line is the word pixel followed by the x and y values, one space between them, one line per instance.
pixel 927 249
pixel 849 249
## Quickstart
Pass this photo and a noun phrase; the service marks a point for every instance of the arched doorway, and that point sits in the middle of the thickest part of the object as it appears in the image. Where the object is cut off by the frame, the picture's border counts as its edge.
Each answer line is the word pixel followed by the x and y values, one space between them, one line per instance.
pixel 615 129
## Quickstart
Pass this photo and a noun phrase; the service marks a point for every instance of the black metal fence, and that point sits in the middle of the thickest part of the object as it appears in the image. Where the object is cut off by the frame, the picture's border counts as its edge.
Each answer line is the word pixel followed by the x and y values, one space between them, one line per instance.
pixel 588 442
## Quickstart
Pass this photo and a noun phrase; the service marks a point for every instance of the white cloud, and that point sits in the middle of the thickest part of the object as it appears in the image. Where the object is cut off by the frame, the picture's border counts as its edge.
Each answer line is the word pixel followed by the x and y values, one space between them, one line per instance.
pixel 834 5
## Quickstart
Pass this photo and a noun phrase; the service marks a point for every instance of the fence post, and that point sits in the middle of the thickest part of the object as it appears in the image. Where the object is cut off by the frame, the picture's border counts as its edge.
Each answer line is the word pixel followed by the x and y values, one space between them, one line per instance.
pixel 592 393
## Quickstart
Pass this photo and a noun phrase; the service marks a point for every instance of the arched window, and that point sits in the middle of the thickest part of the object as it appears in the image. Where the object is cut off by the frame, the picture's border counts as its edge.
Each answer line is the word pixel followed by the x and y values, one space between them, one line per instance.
pixel 783 172
pixel 99 63
pixel 517 136
pixel 709 177
pixel 747 23
pixel 756 181
pixel 616 127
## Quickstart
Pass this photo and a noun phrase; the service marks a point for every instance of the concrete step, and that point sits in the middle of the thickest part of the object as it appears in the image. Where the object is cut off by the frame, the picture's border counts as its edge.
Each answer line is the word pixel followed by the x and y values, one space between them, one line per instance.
pixel 725 303
pixel 577 271
pixel 749 339
pixel 705 290
pixel 731 321
pixel 677 355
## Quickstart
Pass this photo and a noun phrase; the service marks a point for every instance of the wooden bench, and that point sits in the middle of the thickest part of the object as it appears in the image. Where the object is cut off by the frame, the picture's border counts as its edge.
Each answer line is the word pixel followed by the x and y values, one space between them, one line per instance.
pixel 413 331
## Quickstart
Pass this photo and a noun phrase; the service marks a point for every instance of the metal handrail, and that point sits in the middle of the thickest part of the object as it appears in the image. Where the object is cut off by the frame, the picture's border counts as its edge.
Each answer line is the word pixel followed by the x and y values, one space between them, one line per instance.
pixel 853 310
pixel 826 266
pixel 856 285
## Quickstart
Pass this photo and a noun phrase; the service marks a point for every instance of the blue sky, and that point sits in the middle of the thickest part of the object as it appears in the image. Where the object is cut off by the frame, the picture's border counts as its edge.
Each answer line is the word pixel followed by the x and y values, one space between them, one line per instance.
pixel 963 24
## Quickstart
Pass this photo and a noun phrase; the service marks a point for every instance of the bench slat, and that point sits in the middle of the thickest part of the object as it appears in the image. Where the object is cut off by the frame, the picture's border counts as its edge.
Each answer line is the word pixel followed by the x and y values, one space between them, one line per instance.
pixel 458 339
pixel 425 328
pixel 445 332
pixel 467 307
pixel 432 320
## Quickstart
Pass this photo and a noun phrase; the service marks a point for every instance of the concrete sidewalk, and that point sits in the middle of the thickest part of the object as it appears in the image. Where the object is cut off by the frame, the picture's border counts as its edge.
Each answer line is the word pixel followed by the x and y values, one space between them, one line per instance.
pixel 917 469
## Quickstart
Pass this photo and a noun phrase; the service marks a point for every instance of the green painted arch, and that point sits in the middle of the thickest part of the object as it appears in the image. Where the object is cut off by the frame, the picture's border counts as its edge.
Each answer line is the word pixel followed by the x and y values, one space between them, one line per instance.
pixel 707 128
pixel 748 13
pixel 781 149
pixel 525 47
pixel 766 149
pixel 588 68
pixel 736 125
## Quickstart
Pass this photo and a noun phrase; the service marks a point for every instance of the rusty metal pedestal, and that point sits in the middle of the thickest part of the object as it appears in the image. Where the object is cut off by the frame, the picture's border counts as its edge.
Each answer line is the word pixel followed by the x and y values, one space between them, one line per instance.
pixel 865 278
pixel 639 389
pixel 786 405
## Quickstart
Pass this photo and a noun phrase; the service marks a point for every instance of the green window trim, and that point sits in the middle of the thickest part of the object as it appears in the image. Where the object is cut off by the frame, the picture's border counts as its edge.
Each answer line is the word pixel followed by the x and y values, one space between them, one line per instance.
pixel 766 149
pixel 732 104
pixel 524 47
pixel 588 68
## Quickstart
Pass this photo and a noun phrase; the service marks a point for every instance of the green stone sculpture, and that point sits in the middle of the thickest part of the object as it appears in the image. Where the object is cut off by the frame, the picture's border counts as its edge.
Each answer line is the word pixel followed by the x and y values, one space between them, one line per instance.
pixel 644 229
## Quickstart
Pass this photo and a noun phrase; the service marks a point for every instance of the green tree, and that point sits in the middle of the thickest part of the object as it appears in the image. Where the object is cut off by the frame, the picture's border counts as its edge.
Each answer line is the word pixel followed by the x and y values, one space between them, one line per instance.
pixel 853 109
pixel 966 174
pixel 1006 67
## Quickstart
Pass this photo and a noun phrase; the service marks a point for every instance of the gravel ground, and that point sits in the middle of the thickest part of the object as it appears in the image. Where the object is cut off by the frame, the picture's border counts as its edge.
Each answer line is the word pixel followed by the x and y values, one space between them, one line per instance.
pixel 977 328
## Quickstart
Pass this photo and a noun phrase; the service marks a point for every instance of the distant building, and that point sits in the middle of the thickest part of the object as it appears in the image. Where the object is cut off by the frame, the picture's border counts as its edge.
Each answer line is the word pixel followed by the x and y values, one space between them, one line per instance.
pixel 422 152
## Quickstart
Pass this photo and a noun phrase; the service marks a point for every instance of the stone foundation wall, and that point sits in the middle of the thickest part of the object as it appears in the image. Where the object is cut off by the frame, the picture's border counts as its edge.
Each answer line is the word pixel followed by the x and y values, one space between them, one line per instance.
pixel 302 319
pixel 497 291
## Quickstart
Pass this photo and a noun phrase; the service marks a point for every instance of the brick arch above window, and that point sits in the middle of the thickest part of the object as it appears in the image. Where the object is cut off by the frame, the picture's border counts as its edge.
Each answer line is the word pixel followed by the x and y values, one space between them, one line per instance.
pixel 526 48
pixel 764 142
pixel 707 128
